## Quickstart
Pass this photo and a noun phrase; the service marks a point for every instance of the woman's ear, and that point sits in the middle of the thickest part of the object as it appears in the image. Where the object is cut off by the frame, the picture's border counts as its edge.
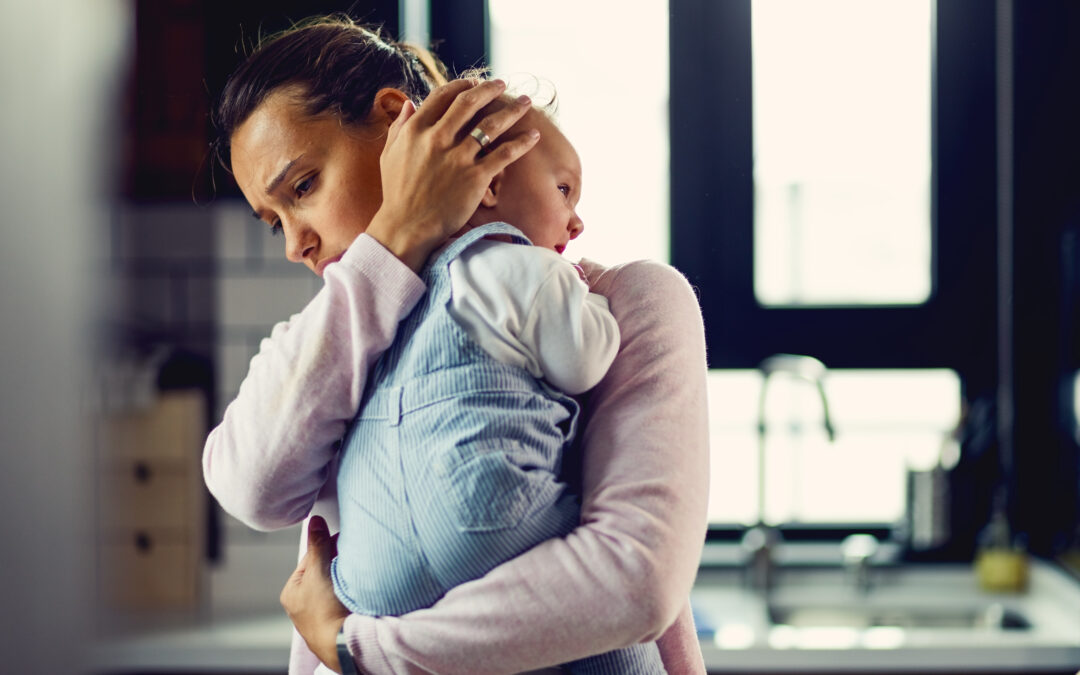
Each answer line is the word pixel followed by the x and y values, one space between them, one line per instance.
pixel 387 105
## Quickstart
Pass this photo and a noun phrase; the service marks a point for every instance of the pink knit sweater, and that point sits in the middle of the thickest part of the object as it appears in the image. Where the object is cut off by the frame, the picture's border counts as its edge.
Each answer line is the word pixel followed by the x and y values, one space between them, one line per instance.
pixel 623 576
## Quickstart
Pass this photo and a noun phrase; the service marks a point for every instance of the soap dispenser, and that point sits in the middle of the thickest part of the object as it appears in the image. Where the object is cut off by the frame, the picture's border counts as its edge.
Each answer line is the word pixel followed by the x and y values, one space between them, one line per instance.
pixel 1001 563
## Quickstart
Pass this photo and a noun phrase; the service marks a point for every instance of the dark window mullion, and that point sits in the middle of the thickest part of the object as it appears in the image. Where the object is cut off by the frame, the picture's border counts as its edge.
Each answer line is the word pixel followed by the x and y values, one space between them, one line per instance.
pixel 712 206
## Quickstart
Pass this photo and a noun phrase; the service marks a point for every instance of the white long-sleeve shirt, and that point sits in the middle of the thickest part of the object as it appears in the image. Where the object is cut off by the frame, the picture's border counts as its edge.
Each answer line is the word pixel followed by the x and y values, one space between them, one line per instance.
pixel 529 307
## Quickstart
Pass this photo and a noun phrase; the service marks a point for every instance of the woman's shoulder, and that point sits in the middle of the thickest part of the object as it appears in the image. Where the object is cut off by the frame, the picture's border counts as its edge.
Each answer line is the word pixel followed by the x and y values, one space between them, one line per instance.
pixel 638 279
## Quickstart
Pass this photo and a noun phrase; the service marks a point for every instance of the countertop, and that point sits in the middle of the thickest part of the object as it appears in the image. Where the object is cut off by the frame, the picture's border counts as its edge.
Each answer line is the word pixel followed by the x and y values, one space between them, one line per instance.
pixel 730 641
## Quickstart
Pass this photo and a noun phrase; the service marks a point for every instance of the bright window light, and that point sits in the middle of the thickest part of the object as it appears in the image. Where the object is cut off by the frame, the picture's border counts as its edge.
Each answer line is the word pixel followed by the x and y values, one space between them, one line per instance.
pixel 842 155
pixel 609 65
pixel 886 422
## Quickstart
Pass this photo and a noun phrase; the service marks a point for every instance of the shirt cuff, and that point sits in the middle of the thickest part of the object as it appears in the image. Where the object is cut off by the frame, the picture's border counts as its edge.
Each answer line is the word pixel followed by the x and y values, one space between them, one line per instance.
pixel 363 642
pixel 368 257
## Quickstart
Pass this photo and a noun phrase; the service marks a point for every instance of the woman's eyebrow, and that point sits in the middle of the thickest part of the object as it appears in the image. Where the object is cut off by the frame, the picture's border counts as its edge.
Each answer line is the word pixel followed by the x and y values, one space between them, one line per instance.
pixel 280 178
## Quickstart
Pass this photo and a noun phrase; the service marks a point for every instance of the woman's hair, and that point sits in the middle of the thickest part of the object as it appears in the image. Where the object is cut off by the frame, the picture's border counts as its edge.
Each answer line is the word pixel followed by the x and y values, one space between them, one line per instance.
pixel 339 66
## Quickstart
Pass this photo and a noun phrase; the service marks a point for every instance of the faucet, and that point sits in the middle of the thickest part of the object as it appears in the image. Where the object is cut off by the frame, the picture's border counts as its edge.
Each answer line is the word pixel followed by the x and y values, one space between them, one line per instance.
pixel 760 542
pixel 858 551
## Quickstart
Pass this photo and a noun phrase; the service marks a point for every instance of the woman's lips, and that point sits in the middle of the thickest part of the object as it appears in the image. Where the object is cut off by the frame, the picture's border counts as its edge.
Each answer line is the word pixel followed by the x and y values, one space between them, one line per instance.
pixel 321 266
pixel 559 248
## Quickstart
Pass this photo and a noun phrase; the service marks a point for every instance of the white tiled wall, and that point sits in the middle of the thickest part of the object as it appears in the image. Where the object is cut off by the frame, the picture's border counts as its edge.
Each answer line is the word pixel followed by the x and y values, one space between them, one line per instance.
pixel 213 281
pixel 255 287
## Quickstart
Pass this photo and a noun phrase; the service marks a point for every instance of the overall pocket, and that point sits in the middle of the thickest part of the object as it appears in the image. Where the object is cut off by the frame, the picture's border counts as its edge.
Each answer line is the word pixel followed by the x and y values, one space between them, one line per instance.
pixel 488 489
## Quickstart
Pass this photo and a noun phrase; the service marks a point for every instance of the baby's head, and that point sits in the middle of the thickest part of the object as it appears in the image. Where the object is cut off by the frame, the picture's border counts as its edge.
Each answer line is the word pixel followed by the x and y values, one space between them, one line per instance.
pixel 537 194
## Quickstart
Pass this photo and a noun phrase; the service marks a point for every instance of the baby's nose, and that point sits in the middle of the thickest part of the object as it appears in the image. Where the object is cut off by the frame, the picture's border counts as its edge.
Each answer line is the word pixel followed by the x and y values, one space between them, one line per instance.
pixel 576 226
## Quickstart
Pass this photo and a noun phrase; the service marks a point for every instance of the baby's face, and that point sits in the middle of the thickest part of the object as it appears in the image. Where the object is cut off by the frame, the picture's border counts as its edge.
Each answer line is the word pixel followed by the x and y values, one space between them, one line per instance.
pixel 538 194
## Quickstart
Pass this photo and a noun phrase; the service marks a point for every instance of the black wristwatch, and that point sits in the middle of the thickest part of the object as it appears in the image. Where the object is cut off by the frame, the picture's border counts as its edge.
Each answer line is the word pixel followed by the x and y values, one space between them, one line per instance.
pixel 348 666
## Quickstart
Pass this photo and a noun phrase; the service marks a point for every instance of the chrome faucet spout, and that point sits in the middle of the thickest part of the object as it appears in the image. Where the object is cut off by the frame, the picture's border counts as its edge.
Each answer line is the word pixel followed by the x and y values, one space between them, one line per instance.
pixel 761 541
pixel 803 367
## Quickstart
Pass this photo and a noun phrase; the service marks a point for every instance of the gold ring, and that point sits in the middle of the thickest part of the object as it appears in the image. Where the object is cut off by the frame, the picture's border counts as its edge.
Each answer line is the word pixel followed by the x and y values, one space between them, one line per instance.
pixel 480 137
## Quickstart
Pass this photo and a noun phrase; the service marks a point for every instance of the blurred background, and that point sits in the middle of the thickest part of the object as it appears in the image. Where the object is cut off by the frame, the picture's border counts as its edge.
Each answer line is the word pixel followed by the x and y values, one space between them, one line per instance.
pixel 887 188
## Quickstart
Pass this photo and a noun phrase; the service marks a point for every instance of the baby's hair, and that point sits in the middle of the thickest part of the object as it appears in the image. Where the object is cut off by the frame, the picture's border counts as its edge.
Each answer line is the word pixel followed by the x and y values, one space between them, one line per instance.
pixel 541 91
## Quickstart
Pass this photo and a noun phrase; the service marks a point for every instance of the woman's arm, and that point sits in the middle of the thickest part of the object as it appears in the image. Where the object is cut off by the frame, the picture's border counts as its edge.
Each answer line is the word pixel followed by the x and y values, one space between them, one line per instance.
pixel 625 574
pixel 267 459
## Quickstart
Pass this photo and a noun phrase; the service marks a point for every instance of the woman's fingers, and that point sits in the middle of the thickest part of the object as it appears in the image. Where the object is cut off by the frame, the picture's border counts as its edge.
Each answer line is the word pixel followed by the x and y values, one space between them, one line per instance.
pixel 496 123
pixel 440 99
pixel 321 545
pixel 308 596
pixel 451 108
pixel 508 151
pixel 465 106
pixel 434 174
pixel 408 109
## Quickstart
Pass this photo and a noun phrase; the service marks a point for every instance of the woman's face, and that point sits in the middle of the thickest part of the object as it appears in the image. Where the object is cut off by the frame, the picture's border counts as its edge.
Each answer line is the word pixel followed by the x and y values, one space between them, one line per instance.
pixel 315 179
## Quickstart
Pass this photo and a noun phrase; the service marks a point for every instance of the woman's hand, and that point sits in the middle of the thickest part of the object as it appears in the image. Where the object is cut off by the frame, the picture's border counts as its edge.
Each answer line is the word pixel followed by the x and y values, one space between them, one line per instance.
pixel 434 174
pixel 308 596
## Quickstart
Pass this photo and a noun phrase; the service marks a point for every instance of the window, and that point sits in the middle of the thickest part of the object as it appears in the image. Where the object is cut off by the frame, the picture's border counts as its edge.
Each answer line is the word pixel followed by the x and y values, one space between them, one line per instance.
pixel 886 422
pixel 609 68
pixel 876 289
pixel 813 221
pixel 841 121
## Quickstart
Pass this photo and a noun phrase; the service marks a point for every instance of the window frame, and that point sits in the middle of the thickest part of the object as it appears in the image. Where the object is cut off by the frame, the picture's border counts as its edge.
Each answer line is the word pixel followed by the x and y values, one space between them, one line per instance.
pixel 712 228
pixel 712 207
pixel 712 222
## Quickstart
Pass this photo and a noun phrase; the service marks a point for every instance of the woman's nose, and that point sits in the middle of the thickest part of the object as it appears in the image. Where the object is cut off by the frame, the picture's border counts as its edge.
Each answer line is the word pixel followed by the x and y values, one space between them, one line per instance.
pixel 299 241
pixel 576 226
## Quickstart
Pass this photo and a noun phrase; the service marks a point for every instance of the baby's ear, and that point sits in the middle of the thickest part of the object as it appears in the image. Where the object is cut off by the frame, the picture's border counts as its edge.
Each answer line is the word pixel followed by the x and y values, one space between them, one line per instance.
pixel 491 196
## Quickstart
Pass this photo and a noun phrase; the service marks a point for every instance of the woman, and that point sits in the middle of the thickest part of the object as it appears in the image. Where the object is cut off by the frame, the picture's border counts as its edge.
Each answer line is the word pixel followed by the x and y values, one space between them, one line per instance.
pixel 326 143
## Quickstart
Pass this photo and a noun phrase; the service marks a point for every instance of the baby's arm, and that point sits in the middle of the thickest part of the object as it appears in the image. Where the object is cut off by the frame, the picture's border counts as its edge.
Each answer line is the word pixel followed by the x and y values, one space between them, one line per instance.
pixel 528 306
pixel 570 331
pixel 625 574
pixel 268 458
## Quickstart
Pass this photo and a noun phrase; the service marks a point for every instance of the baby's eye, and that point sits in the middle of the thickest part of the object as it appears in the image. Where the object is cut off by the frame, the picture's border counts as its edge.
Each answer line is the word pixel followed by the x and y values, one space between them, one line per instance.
pixel 304 186
pixel 565 189
pixel 275 228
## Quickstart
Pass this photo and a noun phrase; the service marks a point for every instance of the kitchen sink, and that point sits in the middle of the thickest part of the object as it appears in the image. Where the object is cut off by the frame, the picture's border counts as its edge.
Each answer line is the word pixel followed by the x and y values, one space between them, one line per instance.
pixel 909 617
pixel 993 616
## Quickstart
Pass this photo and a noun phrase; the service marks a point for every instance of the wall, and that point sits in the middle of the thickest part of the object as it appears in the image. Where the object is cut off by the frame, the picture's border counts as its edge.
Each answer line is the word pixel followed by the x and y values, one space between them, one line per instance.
pixel 59 62
pixel 256 287
pixel 208 282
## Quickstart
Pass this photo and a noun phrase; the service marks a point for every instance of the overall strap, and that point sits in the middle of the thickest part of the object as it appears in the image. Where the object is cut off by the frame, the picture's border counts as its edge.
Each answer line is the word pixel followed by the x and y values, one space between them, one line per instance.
pixel 469 238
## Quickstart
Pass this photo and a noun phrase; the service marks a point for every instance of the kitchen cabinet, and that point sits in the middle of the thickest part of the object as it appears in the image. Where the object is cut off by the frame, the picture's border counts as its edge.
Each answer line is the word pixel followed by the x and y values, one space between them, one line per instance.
pixel 151 504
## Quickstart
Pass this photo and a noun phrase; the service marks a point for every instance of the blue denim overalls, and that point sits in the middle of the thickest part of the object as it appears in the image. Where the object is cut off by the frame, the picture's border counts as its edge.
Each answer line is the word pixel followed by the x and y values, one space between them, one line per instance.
pixel 452 467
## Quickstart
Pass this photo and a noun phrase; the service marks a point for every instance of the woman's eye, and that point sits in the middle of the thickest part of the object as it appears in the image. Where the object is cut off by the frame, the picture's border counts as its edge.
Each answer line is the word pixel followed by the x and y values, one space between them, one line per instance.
pixel 304 186
pixel 275 228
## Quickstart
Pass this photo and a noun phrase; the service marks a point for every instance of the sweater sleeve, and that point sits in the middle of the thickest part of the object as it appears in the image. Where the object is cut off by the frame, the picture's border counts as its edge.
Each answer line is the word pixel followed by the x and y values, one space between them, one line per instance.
pixel 624 575
pixel 267 460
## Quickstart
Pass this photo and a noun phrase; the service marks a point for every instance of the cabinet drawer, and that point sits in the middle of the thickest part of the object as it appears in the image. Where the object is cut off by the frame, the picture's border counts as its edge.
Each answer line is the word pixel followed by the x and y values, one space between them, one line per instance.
pixel 173 429
pixel 149 494
pixel 150 569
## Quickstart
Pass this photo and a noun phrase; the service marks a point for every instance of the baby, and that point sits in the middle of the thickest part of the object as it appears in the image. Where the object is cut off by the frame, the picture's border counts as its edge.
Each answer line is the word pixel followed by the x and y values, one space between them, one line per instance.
pixel 453 463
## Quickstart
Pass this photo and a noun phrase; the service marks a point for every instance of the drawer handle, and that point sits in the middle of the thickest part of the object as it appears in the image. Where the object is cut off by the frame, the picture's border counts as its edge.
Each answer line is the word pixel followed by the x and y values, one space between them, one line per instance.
pixel 143 542
pixel 142 472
